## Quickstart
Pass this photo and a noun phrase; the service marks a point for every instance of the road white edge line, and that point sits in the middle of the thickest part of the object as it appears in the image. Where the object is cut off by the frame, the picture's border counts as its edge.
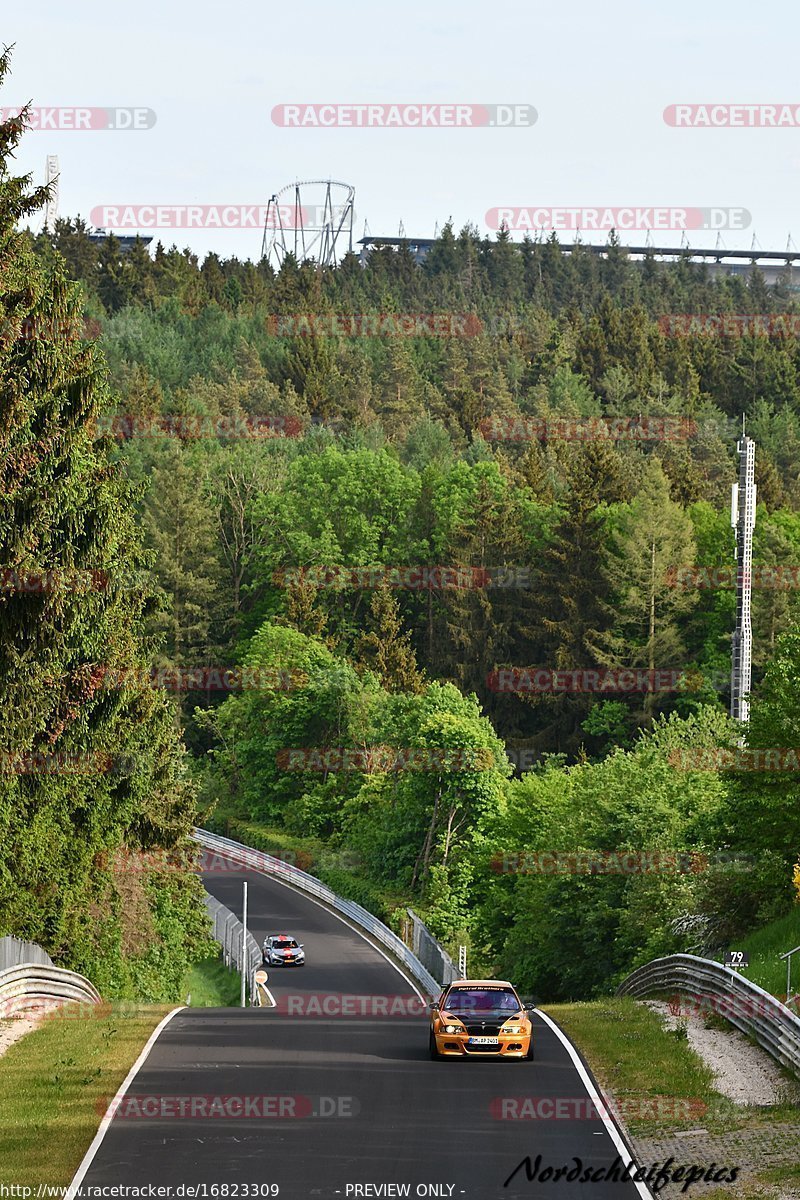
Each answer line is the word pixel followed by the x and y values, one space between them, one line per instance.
pixel 262 988
pixel 88 1157
pixel 602 1107
pixel 585 1078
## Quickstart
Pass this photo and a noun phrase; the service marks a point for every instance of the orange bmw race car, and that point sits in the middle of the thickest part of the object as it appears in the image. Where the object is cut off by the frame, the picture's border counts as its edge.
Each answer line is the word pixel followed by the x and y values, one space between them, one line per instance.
pixel 480 1017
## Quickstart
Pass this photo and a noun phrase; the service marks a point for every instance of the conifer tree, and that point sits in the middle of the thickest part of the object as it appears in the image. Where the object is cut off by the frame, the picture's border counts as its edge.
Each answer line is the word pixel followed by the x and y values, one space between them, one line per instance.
pixel 386 649
pixel 180 526
pixel 90 763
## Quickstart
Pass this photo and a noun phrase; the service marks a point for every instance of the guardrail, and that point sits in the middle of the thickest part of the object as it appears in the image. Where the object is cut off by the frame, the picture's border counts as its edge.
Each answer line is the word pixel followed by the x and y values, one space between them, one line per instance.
pixel 430 952
pixel 748 1007
pixel 294 877
pixel 228 932
pixel 29 983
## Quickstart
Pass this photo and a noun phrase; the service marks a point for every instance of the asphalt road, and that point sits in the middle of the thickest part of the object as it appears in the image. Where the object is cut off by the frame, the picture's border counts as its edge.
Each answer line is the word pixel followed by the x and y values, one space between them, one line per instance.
pixel 334 1089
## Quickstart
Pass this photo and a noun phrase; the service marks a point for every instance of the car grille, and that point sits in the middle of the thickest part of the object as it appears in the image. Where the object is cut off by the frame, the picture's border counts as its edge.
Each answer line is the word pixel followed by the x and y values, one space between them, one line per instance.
pixel 490 1029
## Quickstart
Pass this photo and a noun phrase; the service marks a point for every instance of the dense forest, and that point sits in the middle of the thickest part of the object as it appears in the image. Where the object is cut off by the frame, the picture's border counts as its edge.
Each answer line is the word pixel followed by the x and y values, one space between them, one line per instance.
pixel 341 520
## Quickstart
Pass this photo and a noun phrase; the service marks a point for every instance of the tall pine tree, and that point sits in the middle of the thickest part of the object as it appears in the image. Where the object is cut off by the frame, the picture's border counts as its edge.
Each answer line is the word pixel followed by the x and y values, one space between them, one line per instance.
pixel 90 764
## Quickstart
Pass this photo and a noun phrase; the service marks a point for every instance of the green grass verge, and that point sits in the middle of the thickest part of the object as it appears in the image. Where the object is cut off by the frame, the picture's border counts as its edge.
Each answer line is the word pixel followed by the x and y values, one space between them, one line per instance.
pixel 638 1061
pixel 765 947
pixel 644 1067
pixel 56 1082
pixel 210 984
pixel 661 1087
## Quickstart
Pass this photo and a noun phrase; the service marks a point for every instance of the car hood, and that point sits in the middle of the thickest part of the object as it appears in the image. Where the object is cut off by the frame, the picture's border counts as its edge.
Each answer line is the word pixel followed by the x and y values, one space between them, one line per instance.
pixel 492 1016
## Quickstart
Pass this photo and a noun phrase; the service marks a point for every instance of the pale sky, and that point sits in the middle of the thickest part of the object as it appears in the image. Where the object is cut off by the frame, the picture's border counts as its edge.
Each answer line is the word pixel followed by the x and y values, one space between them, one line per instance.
pixel 599 77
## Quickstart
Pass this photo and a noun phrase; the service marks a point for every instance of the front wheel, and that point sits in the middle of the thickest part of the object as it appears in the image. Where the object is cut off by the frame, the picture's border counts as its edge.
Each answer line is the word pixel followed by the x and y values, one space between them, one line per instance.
pixel 434 1053
pixel 528 1056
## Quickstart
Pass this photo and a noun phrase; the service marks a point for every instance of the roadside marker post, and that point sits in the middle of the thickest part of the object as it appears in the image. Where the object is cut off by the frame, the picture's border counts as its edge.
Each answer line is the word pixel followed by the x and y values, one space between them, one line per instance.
pixel 788 957
pixel 244 942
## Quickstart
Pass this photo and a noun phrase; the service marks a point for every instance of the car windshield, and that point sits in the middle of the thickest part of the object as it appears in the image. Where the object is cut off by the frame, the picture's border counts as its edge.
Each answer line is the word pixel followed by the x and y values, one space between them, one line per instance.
pixel 284 944
pixel 480 1000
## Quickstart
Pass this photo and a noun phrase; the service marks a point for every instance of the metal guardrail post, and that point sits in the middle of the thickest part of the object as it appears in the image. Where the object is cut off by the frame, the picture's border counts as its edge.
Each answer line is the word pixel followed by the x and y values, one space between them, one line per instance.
pixel 788 957
pixel 245 972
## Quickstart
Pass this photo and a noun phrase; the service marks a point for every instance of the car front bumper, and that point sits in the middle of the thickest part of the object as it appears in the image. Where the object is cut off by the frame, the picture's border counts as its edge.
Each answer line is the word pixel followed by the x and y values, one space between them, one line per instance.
pixel 456 1045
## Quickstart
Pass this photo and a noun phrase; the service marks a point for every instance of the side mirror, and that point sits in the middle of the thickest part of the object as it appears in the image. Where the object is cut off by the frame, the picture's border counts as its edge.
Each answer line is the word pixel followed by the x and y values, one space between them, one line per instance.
pixel 299 945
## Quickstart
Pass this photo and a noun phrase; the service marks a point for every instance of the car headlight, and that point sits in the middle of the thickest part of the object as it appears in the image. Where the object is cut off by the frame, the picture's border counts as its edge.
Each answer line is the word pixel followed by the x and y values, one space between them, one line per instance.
pixel 454 1029
pixel 511 1029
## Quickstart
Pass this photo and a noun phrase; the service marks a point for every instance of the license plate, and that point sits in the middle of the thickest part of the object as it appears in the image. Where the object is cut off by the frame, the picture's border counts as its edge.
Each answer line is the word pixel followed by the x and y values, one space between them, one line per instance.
pixel 484 1041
